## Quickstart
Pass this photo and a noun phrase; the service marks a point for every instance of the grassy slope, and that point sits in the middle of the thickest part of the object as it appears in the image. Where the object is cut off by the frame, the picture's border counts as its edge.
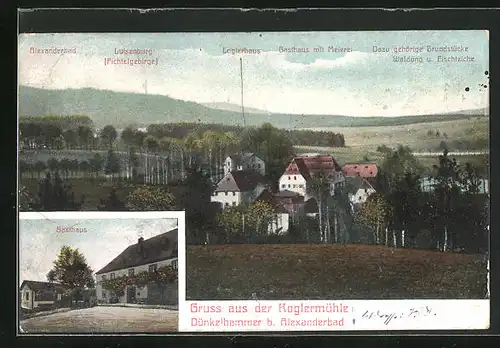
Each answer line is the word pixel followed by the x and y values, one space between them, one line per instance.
pixel 364 141
pixel 330 272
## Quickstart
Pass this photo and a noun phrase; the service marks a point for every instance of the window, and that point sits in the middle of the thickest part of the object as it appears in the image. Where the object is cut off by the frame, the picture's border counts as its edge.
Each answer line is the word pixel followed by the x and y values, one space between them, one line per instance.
pixel 234 193
pixel 112 276
pixel 27 295
pixel 131 272
pixel 103 295
pixel 301 186
pixel 104 277
pixel 153 268
pixel 294 177
pixel 174 264
pixel 283 186
pixel 258 165
pixel 226 193
pixel 59 297
pixel 228 164
pixel 226 204
pixel 288 185
pixel 288 178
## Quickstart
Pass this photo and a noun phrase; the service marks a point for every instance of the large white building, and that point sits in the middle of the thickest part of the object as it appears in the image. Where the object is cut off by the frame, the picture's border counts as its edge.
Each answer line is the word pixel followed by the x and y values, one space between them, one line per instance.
pixel 303 168
pixel 238 187
pixel 245 161
pixel 144 256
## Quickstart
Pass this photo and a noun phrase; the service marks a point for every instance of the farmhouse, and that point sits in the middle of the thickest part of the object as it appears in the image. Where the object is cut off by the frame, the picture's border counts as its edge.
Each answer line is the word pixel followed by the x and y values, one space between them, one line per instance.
pixel 301 169
pixel 144 256
pixel 38 294
pixel 281 222
pixel 291 201
pixel 244 161
pixel 238 187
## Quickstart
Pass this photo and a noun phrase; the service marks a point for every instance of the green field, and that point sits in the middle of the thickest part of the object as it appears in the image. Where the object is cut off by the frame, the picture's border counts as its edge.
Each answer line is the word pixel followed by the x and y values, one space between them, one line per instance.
pixel 363 141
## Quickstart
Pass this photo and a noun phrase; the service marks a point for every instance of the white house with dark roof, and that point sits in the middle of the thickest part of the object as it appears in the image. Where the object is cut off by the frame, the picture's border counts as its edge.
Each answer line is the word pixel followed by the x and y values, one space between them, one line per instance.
pixel 37 294
pixel 238 187
pixel 244 161
pixel 146 255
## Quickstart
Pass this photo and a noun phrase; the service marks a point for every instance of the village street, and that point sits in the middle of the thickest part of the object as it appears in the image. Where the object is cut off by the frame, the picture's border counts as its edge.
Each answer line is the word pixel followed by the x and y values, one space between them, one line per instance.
pixel 104 320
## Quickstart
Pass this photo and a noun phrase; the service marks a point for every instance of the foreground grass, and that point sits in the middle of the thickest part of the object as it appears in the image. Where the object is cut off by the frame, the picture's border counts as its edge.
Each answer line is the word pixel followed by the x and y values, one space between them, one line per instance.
pixel 310 272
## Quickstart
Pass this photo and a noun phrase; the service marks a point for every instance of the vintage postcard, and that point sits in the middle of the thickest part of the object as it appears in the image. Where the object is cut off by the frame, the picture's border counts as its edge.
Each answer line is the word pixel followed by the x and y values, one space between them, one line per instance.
pixel 330 180
pixel 99 272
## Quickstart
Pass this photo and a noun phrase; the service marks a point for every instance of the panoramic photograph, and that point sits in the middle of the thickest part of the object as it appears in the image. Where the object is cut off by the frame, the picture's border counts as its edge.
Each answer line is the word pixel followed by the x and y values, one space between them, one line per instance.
pixel 91 275
pixel 310 165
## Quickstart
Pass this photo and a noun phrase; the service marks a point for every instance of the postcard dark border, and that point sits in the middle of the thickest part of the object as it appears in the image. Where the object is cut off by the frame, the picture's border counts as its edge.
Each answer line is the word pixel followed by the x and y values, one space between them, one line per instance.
pixel 217 20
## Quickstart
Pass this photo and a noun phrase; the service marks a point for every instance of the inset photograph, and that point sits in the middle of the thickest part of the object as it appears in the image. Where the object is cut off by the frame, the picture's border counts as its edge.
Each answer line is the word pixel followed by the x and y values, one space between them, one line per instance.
pixel 91 273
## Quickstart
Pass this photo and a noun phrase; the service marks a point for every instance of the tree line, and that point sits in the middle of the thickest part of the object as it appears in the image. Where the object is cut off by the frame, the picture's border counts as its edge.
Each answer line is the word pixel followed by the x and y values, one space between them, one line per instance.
pixel 78 132
pixel 454 215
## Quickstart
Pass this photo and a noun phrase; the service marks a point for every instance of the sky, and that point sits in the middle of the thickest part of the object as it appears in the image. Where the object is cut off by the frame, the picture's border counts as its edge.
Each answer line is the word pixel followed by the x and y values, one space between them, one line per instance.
pixel 195 67
pixel 39 241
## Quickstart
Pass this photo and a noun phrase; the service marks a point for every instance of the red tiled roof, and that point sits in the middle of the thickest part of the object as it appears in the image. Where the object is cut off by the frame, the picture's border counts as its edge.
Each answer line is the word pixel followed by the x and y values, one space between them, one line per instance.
pixel 308 166
pixel 364 170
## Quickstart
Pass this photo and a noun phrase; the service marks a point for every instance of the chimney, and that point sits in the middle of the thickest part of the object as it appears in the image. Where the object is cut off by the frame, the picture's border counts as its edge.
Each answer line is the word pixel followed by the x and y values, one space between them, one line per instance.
pixel 141 246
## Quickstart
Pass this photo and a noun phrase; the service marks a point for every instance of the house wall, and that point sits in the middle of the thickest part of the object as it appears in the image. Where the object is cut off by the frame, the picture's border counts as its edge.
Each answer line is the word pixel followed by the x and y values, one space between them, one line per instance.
pixel 27 303
pixel 294 183
pixel 104 295
pixel 257 164
pixel 227 198
pixel 361 196
pixel 282 221
pixel 254 163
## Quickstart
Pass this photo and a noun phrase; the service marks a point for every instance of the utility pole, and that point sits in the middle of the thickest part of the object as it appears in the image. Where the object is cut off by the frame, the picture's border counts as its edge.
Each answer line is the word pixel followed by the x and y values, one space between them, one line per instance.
pixel 242 105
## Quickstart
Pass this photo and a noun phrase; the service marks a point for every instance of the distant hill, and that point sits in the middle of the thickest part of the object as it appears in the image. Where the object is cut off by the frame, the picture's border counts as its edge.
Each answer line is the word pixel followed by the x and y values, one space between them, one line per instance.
pixel 121 109
pixel 234 107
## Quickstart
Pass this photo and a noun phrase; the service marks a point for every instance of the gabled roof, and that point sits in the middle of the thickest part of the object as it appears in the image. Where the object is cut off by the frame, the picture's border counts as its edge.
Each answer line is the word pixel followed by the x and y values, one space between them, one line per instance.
pixel 240 181
pixel 37 285
pixel 268 197
pixel 364 170
pixel 155 249
pixel 308 166
pixel 241 157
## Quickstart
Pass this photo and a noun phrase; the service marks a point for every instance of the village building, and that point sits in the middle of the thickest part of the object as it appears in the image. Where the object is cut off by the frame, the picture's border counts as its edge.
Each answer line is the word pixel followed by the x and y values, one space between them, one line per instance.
pixel 303 168
pixel 244 161
pixel 35 294
pixel 281 221
pixel 146 255
pixel 238 187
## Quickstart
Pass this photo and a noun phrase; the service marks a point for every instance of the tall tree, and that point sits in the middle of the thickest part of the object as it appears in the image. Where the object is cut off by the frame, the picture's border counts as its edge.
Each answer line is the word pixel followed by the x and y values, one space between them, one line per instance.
pixel 447 192
pixel 376 212
pixel 54 194
pixel 108 135
pixel 72 270
pixel 112 166
pixel 112 202
pixel 319 188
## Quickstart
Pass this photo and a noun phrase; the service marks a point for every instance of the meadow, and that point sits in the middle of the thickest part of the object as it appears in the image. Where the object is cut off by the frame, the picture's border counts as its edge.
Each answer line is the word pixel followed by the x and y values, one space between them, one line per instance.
pixel 314 272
